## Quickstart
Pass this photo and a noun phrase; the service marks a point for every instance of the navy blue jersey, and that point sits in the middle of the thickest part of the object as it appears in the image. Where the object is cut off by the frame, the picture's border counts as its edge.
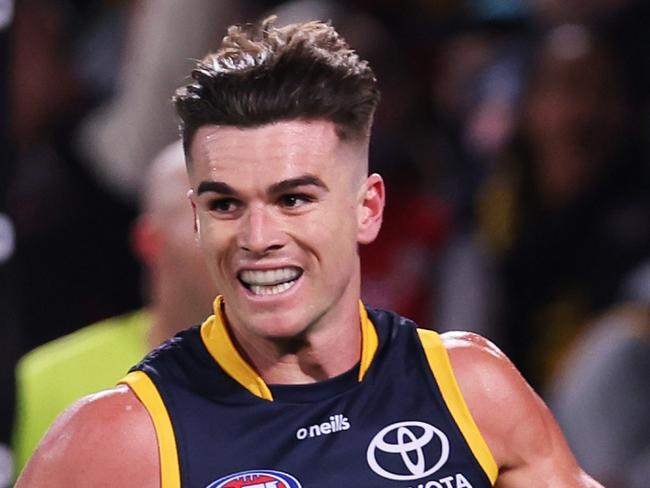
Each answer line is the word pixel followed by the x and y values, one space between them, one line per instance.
pixel 395 420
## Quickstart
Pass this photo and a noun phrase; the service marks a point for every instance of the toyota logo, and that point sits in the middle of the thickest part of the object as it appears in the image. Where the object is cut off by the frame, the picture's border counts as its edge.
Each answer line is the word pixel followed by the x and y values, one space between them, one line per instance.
pixel 408 440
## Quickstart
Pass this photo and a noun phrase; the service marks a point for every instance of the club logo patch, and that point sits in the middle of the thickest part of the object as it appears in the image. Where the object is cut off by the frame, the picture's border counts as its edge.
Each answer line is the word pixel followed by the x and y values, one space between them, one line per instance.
pixel 261 478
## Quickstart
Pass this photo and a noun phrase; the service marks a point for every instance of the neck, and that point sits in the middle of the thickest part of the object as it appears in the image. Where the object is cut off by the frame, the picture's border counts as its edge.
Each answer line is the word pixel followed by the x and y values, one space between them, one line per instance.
pixel 305 360
pixel 321 352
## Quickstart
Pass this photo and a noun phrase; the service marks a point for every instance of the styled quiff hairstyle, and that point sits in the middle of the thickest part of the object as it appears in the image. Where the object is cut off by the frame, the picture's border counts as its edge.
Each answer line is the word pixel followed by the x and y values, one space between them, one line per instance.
pixel 263 74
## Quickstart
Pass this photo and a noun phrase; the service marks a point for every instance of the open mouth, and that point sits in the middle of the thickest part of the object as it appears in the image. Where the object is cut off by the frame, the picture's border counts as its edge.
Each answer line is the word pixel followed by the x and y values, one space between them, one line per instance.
pixel 271 281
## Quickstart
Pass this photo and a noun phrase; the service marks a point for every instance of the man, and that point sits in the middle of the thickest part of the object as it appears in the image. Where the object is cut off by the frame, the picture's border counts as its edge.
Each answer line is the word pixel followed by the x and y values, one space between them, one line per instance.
pixel 56 374
pixel 292 382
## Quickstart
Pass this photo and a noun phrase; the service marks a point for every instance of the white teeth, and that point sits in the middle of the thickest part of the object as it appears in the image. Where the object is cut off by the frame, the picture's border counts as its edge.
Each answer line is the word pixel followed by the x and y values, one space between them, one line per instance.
pixel 271 290
pixel 270 282
pixel 269 277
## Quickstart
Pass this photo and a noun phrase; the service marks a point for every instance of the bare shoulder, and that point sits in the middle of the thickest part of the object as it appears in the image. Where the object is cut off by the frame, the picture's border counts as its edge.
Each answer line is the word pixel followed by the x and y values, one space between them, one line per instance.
pixel 492 386
pixel 104 439
pixel 519 429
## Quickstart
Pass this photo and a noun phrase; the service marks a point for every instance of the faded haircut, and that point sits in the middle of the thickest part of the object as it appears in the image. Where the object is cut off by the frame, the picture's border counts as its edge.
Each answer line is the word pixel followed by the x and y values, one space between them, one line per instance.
pixel 263 74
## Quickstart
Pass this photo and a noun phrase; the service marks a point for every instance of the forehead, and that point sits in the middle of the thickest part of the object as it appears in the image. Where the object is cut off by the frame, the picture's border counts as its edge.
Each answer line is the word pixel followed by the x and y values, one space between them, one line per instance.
pixel 282 148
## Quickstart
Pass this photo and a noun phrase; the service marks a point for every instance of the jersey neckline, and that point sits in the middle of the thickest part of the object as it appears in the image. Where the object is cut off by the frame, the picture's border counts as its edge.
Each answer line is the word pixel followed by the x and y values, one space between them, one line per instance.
pixel 217 340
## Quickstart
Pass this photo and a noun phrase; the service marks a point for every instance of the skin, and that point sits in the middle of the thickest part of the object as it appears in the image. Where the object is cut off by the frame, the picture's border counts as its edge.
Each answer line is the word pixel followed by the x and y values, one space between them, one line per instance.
pixel 315 227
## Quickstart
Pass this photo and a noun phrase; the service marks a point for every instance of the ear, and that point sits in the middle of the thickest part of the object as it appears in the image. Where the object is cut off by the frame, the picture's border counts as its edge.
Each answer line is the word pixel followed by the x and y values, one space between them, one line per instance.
pixel 190 197
pixel 371 209
pixel 145 240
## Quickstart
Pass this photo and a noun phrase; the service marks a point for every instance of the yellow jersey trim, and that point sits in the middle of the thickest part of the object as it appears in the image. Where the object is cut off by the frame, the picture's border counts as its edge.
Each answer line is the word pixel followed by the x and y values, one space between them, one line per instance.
pixel 440 365
pixel 147 393
pixel 218 342
pixel 369 341
pixel 220 346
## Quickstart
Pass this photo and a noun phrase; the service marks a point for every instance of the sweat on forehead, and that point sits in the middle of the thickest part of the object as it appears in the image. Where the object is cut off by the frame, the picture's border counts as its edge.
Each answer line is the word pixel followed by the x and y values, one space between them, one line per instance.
pixel 295 143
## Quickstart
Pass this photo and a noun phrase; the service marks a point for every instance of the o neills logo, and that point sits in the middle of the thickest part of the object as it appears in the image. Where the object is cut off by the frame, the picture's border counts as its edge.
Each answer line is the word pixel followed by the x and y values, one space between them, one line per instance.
pixel 337 423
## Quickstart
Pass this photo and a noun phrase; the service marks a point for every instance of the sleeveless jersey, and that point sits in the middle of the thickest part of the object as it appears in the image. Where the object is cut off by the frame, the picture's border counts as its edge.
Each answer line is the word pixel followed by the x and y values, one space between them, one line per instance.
pixel 397 419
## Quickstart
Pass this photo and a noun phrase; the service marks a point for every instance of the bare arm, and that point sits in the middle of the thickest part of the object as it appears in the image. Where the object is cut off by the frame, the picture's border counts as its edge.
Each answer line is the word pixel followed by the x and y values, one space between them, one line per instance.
pixel 521 432
pixel 104 440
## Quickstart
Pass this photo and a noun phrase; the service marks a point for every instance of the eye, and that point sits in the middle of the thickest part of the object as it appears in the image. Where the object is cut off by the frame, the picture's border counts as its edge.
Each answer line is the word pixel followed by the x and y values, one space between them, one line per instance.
pixel 223 205
pixel 294 200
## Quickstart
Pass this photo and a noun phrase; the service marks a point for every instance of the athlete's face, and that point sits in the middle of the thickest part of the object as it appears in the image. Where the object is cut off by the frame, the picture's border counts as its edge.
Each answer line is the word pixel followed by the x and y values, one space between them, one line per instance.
pixel 280 211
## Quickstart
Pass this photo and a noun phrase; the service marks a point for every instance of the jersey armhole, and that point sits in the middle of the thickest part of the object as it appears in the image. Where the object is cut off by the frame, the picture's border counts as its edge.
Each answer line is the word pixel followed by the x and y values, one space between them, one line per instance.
pixel 148 394
pixel 440 365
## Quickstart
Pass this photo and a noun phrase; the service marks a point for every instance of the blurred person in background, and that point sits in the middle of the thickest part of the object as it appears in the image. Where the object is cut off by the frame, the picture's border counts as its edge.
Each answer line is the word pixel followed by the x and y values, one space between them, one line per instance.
pixel 66 229
pixel 479 85
pixel 178 292
pixel 476 91
pixel 59 209
pixel 565 211
pixel 601 396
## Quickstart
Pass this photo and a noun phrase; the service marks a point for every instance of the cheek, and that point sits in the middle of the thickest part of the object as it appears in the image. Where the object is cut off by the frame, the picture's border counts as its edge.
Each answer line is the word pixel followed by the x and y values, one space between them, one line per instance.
pixel 333 236
pixel 213 241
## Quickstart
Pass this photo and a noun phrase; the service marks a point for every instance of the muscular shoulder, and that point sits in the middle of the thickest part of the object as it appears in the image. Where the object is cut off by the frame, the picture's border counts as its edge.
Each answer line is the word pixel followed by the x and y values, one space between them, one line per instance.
pixel 483 370
pixel 104 436
pixel 516 424
pixel 500 400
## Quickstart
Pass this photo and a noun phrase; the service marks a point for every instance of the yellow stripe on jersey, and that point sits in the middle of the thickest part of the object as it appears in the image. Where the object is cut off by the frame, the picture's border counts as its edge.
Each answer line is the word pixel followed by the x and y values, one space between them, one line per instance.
pixel 220 346
pixel 148 394
pixel 440 364
pixel 369 341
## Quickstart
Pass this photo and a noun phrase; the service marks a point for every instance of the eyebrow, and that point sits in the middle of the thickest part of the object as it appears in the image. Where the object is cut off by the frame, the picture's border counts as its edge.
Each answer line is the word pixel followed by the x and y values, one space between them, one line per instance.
pixel 290 184
pixel 216 187
pixel 274 189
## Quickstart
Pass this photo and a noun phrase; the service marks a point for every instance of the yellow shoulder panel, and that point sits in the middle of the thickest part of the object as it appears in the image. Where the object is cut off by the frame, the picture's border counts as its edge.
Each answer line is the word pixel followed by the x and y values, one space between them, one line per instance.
pixel 440 365
pixel 148 394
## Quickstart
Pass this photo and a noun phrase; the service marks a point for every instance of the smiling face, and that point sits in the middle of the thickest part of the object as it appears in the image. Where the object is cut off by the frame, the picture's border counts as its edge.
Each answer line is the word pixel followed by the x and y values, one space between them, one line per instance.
pixel 280 210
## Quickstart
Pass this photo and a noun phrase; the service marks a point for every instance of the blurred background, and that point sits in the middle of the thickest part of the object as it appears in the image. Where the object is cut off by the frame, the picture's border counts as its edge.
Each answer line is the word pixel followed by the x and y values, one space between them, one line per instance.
pixel 514 137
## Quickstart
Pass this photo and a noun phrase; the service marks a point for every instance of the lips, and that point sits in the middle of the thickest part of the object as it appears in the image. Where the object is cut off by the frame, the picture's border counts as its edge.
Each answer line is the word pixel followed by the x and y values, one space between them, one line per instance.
pixel 270 281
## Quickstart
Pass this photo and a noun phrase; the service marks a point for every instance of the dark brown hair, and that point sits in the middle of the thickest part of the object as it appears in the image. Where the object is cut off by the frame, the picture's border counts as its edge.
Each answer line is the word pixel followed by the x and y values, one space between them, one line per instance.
pixel 263 74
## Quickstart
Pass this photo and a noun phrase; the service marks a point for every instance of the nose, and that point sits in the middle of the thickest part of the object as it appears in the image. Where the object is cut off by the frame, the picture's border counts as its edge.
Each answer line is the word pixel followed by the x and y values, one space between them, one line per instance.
pixel 259 232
